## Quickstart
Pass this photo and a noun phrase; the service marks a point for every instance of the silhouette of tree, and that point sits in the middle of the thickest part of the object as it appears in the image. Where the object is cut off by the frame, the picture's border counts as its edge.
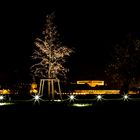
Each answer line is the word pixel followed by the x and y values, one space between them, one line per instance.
pixel 125 62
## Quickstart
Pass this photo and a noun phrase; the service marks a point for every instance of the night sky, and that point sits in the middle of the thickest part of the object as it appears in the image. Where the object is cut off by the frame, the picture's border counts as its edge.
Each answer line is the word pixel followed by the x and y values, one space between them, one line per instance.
pixel 89 28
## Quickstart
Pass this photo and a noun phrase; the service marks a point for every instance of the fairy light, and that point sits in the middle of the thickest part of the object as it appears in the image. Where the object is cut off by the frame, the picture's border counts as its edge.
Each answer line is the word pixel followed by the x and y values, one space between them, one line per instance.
pixel 50 52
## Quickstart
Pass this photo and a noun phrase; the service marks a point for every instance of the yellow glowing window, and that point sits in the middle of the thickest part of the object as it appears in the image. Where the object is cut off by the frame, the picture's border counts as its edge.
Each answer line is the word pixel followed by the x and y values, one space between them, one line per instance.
pixel 91 83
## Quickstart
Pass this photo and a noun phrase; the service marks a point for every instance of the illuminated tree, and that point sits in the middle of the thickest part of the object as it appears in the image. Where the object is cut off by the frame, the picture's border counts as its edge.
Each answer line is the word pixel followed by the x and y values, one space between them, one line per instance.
pixel 50 53
pixel 124 66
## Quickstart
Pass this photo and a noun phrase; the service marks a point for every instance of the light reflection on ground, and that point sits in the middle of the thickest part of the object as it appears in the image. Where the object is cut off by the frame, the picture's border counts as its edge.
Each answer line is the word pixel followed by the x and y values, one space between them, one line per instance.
pixel 57 100
pixel 5 103
pixel 81 105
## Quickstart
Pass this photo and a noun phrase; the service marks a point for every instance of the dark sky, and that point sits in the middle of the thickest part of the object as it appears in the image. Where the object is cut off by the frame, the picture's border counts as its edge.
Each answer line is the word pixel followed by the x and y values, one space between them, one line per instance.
pixel 91 29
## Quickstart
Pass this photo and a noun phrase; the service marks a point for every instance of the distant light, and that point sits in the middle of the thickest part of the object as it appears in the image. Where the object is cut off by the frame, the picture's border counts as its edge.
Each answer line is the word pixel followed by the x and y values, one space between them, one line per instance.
pixel 1 97
pixel 6 91
pixel 71 97
pixel 81 105
pixel 99 97
pixel 3 104
pixel 125 97
pixel 57 100
pixel 36 98
pixel 35 91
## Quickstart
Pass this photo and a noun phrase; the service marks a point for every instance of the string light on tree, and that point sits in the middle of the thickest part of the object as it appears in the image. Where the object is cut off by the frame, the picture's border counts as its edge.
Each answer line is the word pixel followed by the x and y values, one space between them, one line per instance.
pixel 50 54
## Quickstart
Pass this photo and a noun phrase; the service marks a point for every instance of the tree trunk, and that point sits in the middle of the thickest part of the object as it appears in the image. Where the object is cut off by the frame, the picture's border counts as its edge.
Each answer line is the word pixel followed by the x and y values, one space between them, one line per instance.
pixel 52 86
pixel 49 84
pixel 125 87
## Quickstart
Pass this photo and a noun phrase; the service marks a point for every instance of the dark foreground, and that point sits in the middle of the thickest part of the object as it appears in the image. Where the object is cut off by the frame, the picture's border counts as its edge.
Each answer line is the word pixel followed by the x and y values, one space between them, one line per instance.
pixel 87 107
pixel 81 108
pixel 66 119
pixel 27 117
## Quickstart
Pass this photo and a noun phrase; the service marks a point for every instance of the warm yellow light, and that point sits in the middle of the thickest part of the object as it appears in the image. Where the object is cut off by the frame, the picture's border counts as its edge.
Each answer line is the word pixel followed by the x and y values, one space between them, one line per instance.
pixel 132 92
pixel 125 97
pixel 5 91
pixel 91 83
pixel 34 88
pixel 33 85
pixel 35 91
pixel 98 91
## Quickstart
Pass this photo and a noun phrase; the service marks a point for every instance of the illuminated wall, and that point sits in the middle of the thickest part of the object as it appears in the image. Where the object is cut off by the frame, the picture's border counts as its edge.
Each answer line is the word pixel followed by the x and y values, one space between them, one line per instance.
pixel 84 92
pixel 96 92
pixel 5 91
pixel 91 83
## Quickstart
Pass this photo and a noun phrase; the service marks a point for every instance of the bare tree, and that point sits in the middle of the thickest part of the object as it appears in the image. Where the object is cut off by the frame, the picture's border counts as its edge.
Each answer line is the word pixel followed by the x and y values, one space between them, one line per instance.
pixel 50 53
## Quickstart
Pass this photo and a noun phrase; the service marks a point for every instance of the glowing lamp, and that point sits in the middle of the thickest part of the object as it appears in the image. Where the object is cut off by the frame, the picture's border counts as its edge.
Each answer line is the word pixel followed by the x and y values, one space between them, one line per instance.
pixel 36 97
pixel 99 97
pixel 125 97
pixel 1 97
pixel 71 97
